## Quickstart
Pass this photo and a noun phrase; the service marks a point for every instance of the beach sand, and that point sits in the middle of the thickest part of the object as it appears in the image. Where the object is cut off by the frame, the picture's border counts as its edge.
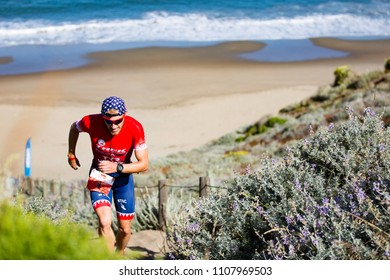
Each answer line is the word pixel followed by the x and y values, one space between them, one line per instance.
pixel 184 97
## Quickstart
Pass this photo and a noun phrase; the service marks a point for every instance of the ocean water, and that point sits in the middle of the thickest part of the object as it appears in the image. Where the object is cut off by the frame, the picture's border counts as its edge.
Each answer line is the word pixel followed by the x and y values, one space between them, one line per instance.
pixel 62 30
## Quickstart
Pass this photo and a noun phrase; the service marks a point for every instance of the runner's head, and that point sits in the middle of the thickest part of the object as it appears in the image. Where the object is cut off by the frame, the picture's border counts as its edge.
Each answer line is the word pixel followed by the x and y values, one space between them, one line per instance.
pixel 113 111
pixel 113 102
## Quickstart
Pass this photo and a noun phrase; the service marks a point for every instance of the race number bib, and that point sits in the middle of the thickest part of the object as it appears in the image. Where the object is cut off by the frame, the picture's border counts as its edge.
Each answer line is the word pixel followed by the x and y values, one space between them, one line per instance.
pixel 100 182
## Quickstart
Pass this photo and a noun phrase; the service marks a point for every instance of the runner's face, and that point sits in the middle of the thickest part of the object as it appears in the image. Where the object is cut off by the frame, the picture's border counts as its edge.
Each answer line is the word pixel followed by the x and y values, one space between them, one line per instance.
pixel 114 124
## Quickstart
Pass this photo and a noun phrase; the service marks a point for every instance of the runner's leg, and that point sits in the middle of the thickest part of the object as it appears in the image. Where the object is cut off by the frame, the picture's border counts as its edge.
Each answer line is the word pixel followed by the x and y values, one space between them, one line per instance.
pixel 124 200
pixel 105 230
pixel 123 235
pixel 101 203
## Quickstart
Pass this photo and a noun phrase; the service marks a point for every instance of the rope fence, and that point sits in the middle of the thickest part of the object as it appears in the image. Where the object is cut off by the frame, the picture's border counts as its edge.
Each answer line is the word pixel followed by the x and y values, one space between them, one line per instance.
pixel 55 188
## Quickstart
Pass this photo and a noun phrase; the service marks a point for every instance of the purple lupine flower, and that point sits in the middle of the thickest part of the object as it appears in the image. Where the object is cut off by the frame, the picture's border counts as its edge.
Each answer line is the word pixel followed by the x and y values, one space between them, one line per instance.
pixel 299 218
pixel 369 112
pixel 353 209
pixel 313 166
pixel 178 239
pixel 248 169
pixel 289 220
pixel 193 227
pixel 325 201
pixel 191 257
pixel 387 253
pixel 315 241
pixel 360 194
pixel 305 232
pixel 381 147
pixel 331 126
pixel 286 240
pixel 324 211
pixel 337 202
pixel 260 210
pixel 291 250
pixel 297 184
pixel 306 142
pixel 376 187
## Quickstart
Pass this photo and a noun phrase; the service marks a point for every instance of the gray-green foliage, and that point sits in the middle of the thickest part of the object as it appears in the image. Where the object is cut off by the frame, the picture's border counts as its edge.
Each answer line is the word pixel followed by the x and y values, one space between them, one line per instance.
pixel 70 203
pixel 328 198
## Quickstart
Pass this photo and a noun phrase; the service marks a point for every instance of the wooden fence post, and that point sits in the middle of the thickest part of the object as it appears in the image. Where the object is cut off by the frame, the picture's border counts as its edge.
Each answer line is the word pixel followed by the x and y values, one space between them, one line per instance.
pixel 204 183
pixel 162 202
pixel 86 196
pixel 53 187
pixel 43 183
pixel 64 190
pixel 30 186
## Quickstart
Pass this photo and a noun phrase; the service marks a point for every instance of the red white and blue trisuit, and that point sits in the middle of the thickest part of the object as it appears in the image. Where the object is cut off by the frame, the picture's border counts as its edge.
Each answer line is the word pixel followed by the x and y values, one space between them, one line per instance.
pixel 116 148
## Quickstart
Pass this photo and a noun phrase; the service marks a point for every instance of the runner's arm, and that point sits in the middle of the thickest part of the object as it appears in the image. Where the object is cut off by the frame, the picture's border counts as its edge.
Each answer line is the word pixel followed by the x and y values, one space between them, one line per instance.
pixel 140 165
pixel 72 142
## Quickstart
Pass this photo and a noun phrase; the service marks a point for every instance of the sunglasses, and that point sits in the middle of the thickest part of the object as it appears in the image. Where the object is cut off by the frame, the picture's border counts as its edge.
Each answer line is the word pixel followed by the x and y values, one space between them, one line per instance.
pixel 108 115
pixel 110 122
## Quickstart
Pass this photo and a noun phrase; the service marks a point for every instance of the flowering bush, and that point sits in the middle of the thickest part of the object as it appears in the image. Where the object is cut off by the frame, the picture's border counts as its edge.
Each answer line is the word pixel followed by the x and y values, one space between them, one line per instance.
pixel 328 198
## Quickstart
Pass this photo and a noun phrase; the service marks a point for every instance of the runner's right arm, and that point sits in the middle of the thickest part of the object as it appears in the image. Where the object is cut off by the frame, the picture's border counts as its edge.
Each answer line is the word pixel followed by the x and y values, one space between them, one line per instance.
pixel 72 141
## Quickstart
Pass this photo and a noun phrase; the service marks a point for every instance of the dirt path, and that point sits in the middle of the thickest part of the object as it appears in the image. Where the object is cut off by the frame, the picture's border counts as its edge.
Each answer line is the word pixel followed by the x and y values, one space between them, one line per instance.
pixel 150 243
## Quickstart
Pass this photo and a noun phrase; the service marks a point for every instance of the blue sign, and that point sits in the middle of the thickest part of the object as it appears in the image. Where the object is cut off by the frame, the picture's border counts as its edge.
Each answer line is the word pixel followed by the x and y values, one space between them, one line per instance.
pixel 27 159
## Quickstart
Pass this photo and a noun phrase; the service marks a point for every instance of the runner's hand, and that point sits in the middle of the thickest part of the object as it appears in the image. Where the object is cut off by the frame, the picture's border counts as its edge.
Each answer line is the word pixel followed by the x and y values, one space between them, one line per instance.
pixel 74 162
pixel 107 166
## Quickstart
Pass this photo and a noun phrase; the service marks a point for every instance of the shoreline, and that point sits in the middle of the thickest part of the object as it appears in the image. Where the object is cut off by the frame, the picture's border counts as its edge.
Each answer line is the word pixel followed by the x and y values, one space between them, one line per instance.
pixel 184 97
pixel 35 59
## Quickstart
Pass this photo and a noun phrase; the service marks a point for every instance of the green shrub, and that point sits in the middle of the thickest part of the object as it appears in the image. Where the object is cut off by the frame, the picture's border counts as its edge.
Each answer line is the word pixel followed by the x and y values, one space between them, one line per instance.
pixel 341 73
pixel 387 65
pixel 26 236
pixel 328 198
pixel 260 127
pixel 272 122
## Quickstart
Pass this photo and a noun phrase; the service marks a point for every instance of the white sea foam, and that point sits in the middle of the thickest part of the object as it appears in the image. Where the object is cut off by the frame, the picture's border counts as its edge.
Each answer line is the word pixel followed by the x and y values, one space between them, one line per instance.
pixel 189 27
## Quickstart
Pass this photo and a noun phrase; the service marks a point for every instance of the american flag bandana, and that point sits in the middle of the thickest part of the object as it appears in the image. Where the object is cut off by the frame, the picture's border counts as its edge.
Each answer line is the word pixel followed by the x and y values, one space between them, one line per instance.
pixel 113 102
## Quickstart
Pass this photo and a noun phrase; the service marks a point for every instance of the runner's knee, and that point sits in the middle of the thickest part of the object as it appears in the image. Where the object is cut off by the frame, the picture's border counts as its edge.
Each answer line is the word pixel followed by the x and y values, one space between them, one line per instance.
pixel 124 230
pixel 105 218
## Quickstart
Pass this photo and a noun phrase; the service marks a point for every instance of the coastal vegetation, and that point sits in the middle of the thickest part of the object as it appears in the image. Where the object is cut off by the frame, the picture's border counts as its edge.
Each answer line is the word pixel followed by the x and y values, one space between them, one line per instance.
pixel 311 182
pixel 327 198
pixel 29 236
